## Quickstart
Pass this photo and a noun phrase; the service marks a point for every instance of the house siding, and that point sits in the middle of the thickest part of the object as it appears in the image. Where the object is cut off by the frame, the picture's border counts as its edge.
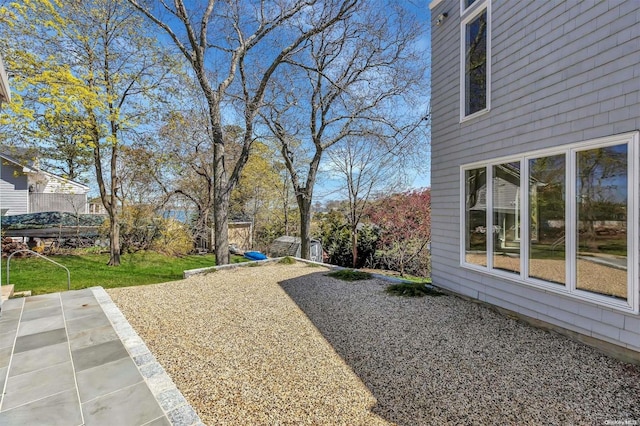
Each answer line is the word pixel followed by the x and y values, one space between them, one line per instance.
pixel 562 72
pixel 14 190
pixel 56 185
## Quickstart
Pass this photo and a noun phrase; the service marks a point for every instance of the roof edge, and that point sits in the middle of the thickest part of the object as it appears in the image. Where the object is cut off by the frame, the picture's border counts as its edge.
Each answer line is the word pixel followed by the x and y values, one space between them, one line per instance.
pixel 434 3
pixel 29 169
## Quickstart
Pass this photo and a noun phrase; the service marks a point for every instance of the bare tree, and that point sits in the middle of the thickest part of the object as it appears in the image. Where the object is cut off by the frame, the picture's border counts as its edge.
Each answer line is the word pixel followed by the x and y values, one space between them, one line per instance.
pixel 366 167
pixel 356 81
pixel 234 49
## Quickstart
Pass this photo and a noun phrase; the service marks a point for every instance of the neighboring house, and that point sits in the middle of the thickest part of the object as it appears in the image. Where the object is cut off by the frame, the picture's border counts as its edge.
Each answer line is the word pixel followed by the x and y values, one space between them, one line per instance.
pixel 27 189
pixel 535 162
pixel 5 93
pixel 95 206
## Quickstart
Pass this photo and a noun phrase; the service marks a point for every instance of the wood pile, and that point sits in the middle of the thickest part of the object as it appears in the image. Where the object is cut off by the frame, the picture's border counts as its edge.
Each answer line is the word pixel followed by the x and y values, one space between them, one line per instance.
pixel 9 246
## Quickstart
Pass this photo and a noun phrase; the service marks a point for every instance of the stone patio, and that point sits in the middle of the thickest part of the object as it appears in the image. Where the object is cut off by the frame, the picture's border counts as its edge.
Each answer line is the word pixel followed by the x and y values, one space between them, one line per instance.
pixel 73 359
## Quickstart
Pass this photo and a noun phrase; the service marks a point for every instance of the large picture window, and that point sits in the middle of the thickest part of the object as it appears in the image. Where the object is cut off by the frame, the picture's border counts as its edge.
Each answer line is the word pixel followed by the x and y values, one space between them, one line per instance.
pixel 547 222
pixel 601 233
pixel 563 219
pixel 476 218
pixel 475 60
pixel 506 216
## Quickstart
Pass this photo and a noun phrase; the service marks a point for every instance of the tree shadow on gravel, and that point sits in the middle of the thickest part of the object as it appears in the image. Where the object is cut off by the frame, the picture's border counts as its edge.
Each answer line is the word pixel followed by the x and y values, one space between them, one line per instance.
pixel 434 360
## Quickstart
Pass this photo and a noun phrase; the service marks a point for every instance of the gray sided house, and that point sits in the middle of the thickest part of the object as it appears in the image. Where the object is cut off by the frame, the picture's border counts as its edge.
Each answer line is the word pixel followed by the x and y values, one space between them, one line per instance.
pixel 28 189
pixel 536 160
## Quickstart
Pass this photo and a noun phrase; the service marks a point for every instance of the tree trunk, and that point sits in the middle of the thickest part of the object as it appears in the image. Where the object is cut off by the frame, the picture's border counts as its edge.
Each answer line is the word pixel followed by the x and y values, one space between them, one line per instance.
pixel 304 204
pixel 354 248
pixel 114 240
pixel 108 200
pixel 221 194
pixel 221 228
pixel 221 190
pixel 286 209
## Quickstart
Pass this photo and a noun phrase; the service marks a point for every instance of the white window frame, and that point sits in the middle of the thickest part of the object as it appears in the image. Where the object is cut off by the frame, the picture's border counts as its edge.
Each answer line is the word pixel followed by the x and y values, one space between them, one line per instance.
pixel 464 9
pixel 632 140
pixel 468 15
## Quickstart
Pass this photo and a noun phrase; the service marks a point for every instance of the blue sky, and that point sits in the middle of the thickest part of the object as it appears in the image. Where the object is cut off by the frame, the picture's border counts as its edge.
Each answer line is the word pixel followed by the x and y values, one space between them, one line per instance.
pixel 327 189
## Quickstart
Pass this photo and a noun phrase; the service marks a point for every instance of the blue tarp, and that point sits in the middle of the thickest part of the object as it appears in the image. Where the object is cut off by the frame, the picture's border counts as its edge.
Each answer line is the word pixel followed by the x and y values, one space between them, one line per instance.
pixel 254 255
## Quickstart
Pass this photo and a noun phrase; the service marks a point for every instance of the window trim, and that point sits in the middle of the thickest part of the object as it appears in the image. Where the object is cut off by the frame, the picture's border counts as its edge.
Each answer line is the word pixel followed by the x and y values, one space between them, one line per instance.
pixel 467 16
pixel 476 3
pixel 632 303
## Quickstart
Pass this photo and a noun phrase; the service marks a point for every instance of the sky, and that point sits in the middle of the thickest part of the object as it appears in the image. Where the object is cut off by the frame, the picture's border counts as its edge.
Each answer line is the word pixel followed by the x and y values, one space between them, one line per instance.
pixel 421 10
pixel 330 189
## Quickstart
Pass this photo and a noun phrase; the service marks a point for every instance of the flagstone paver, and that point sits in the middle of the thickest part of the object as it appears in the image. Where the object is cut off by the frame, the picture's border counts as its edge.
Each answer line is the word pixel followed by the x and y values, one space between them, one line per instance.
pixel 68 359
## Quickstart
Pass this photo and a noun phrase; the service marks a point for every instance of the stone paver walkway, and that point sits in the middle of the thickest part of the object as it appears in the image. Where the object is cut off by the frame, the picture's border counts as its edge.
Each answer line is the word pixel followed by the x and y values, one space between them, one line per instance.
pixel 73 359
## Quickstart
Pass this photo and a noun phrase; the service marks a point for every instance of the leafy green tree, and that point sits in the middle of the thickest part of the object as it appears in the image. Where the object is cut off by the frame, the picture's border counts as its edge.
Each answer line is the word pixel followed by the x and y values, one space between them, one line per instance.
pixel 337 241
pixel 64 150
pixel 259 193
pixel 95 61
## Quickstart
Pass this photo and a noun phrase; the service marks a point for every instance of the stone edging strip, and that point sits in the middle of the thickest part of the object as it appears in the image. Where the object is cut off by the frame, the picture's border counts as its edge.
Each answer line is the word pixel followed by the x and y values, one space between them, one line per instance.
pixel 169 397
pixel 191 272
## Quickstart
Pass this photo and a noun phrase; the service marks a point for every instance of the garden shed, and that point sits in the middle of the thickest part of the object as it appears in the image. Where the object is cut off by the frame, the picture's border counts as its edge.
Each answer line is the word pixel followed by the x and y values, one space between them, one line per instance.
pixel 290 246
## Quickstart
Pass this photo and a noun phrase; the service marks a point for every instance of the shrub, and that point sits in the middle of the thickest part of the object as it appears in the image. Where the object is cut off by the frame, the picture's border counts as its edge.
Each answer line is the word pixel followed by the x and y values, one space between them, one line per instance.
pixel 174 239
pixel 337 240
pixel 350 275
pixel 288 260
pixel 405 231
pixel 138 228
pixel 412 290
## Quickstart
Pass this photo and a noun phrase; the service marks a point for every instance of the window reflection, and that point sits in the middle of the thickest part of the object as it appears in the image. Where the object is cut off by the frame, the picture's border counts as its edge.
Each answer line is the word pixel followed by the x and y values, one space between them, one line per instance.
pixel 601 198
pixel 547 219
pixel 476 217
pixel 476 65
pixel 506 217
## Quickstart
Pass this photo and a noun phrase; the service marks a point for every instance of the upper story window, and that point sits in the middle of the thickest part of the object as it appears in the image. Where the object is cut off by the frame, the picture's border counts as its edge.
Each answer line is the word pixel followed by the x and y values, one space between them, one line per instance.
pixel 466 4
pixel 475 57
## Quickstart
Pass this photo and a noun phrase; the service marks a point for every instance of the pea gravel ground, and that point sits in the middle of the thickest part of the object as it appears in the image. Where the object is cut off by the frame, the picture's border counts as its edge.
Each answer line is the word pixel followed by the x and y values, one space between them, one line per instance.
pixel 285 344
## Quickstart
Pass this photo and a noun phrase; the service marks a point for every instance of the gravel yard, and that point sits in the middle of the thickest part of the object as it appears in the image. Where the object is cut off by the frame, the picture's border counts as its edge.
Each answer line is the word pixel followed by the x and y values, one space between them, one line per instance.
pixel 284 344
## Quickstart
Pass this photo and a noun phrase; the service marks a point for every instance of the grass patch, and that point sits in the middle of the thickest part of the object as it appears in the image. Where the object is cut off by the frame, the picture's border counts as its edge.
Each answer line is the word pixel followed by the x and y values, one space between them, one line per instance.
pixel 350 275
pixel 287 260
pixel 414 289
pixel 419 280
pixel 89 270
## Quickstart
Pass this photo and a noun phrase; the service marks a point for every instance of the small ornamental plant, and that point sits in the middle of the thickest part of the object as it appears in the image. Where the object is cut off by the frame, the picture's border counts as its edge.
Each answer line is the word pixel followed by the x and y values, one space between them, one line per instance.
pixel 412 290
pixel 350 275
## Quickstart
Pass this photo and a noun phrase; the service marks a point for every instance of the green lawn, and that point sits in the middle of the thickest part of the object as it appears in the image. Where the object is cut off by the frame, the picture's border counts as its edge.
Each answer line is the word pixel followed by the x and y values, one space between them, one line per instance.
pixel 89 270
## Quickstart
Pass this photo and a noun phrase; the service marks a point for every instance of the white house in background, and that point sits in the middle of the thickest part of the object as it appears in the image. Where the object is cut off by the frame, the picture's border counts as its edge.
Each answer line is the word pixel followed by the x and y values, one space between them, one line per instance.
pixel 5 93
pixel 535 156
pixel 27 189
